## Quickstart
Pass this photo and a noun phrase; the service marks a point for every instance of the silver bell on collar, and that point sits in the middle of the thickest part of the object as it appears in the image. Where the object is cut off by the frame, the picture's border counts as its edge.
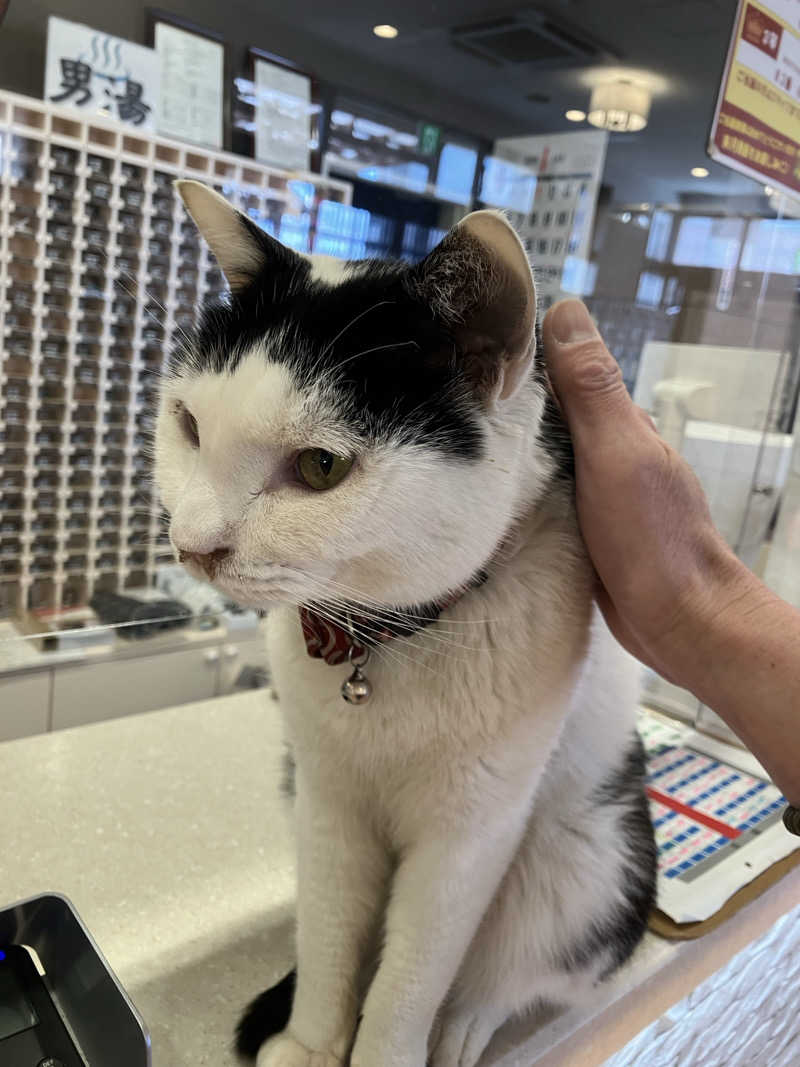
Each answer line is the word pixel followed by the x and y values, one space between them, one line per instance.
pixel 357 689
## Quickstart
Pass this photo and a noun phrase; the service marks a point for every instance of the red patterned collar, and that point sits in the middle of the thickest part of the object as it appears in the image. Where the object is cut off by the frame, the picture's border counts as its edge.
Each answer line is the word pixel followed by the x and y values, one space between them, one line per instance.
pixel 337 644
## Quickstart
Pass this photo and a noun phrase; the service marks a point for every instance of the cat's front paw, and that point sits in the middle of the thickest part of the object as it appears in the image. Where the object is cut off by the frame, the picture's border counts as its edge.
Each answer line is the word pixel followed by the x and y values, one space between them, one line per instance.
pixel 408 1052
pixel 460 1040
pixel 285 1051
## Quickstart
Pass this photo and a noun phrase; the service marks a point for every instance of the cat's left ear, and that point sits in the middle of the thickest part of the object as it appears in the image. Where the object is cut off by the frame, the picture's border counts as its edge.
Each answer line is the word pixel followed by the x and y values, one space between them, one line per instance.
pixel 241 248
pixel 479 281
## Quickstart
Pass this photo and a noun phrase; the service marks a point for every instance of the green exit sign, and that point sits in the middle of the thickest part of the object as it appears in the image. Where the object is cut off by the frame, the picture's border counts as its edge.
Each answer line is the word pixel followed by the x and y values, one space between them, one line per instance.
pixel 429 137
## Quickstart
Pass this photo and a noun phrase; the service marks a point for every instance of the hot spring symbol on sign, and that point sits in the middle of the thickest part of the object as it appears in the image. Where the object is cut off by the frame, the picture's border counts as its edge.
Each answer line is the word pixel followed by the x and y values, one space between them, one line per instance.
pixel 97 72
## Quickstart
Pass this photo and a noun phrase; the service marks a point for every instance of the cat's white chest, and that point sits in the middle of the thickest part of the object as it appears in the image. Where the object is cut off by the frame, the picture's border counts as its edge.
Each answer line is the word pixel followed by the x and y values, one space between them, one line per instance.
pixel 414 689
pixel 487 679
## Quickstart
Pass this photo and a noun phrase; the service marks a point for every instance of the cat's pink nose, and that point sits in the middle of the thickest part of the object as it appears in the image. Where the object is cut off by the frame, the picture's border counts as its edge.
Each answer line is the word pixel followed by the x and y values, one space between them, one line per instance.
pixel 207 561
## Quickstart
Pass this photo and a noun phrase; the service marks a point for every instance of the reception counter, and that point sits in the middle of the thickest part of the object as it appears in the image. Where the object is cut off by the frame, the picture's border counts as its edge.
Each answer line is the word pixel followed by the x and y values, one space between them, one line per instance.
pixel 168 833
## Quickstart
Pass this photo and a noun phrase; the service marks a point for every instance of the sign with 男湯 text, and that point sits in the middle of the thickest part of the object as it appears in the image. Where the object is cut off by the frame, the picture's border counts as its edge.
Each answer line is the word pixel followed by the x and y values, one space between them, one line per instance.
pixel 95 72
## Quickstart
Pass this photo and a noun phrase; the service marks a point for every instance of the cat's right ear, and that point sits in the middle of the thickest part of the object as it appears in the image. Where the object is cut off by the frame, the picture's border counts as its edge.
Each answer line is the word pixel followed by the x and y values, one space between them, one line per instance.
pixel 479 281
pixel 242 250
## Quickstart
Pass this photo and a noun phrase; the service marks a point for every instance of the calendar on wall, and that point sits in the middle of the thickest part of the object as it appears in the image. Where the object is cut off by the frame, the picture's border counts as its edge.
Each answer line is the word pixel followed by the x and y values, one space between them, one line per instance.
pixel 550 184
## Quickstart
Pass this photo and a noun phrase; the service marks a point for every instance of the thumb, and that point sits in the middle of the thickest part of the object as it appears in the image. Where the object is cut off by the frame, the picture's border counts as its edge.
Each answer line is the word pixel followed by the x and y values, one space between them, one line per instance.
pixel 586 377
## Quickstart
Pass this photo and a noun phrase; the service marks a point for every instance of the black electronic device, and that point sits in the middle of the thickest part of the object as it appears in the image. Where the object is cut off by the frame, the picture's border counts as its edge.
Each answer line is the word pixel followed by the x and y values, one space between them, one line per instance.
pixel 60 1003
pixel 32 1033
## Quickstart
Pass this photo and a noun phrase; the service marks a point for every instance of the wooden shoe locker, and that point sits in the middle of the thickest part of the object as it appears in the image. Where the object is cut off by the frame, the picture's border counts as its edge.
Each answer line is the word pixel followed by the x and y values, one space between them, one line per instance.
pixel 100 268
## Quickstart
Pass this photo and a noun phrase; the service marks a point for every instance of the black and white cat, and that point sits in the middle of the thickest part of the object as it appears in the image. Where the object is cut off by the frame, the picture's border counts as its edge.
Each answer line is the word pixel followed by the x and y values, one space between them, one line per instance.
pixel 376 443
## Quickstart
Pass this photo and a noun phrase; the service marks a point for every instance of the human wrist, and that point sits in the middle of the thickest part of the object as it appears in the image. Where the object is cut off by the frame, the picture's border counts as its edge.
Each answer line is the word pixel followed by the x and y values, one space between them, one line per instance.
pixel 720 611
pixel 746 670
pixel 715 596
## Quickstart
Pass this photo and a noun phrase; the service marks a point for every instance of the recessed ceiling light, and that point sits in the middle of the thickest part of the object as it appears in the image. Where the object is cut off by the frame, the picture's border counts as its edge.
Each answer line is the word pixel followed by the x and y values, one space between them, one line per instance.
pixel 575 115
pixel 699 172
pixel 385 30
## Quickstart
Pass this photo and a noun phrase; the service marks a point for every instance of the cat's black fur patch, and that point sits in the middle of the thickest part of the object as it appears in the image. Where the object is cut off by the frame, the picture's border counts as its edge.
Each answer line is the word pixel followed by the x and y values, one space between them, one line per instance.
pixel 553 431
pixel 622 930
pixel 392 363
pixel 268 1014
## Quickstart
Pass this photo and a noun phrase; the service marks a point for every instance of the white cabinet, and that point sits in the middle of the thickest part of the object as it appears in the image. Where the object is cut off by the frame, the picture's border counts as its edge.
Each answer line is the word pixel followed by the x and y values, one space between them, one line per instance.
pixel 98 688
pixel 93 691
pixel 24 704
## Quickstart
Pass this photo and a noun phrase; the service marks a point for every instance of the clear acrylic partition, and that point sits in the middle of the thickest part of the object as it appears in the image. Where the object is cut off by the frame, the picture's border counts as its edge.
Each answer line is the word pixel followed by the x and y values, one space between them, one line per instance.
pixel 699 301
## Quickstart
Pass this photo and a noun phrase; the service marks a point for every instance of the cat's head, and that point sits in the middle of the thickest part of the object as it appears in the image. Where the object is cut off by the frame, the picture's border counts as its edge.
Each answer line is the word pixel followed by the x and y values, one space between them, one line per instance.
pixel 361 430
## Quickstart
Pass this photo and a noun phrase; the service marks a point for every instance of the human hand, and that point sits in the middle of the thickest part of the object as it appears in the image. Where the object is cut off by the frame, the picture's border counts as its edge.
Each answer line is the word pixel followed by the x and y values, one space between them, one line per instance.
pixel 664 569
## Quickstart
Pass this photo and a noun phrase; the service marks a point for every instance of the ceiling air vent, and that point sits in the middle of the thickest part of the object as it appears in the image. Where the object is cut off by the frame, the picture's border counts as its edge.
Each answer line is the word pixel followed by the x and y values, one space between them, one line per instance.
pixel 529 37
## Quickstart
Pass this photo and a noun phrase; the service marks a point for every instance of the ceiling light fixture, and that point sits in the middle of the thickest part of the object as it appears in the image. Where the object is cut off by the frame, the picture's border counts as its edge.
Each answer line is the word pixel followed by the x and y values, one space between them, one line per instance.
pixel 699 172
pixel 385 30
pixel 620 106
pixel 574 115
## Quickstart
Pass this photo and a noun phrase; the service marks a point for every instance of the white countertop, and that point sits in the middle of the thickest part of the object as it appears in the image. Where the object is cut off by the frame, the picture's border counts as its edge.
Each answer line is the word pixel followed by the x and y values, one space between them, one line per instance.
pixel 168 833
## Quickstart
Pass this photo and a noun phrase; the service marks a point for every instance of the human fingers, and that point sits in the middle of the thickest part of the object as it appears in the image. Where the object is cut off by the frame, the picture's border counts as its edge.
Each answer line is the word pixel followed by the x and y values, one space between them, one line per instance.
pixel 585 376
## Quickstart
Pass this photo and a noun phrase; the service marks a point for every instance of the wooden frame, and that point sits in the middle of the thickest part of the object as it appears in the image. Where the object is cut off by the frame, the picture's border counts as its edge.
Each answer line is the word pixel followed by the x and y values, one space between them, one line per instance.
pixel 155 15
pixel 255 55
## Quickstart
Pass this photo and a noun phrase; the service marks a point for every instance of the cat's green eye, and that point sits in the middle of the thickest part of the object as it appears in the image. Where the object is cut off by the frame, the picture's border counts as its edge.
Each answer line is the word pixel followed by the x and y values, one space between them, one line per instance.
pixel 320 469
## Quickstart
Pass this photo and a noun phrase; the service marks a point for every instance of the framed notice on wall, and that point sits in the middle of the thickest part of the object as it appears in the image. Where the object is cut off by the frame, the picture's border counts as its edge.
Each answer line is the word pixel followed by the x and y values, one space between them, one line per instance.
pixel 756 127
pixel 550 184
pixel 193 80
pixel 285 112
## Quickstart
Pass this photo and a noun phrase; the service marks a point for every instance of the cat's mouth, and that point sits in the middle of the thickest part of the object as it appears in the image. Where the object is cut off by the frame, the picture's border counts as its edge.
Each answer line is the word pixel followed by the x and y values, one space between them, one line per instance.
pixel 253 590
pixel 256 587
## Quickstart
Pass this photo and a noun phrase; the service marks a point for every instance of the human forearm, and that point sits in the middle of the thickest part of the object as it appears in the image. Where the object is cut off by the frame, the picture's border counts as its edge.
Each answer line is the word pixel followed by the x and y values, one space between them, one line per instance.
pixel 745 666
pixel 670 589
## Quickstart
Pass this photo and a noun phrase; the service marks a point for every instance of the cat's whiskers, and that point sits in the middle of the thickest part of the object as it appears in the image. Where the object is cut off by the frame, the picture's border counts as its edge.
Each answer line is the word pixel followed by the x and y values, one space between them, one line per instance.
pixel 329 375
pixel 356 597
pixel 431 398
pixel 433 632
pixel 365 600
pixel 146 293
pixel 379 612
pixel 368 622
pixel 149 296
pixel 375 624
pixel 351 323
pixel 380 648
pixel 333 617
pixel 377 348
pixel 376 630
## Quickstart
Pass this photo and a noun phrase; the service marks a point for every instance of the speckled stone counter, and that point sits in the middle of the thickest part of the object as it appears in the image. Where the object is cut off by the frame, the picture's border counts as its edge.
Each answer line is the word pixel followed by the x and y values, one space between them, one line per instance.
pixel 168 833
